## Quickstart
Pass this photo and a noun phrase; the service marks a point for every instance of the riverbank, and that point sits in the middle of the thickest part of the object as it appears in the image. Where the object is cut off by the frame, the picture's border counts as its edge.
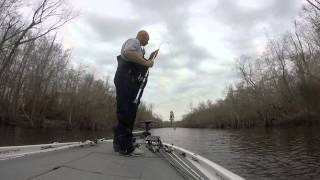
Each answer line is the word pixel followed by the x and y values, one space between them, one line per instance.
pixel 299 119
pixel 21 135
pixel 53 123
pixel 44 124
pixel 302 118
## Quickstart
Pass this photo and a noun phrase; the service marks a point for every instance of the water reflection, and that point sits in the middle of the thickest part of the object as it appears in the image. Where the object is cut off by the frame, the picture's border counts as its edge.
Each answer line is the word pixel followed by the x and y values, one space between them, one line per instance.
pixel 11 136
pixel 278 153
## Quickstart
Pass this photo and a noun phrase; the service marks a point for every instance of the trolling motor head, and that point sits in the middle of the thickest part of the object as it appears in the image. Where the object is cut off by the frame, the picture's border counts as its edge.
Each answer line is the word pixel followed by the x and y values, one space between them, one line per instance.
pixel 153 143
pixel 147 128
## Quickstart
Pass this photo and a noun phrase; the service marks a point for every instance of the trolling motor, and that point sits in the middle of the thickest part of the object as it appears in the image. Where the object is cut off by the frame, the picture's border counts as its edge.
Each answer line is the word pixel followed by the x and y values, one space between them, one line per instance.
pixel 147 128
pixel 153 143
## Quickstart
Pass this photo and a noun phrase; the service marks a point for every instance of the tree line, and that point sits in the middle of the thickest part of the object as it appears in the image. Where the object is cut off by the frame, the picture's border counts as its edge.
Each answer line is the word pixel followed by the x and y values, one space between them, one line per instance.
pixel 38 85
pixel 280 87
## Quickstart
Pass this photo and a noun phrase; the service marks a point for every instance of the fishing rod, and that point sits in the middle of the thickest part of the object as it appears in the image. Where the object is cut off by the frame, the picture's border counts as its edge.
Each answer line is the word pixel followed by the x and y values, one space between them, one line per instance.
pixel 168 152
pixel 147 74
pixel 145 77
pixel 141 87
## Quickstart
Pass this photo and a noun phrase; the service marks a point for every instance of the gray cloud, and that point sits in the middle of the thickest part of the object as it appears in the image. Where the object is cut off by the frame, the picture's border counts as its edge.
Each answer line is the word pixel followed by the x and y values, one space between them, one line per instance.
pixel 231 13
pixel 111 29
pixel 175 16
pixel 248 23
pixel 185 71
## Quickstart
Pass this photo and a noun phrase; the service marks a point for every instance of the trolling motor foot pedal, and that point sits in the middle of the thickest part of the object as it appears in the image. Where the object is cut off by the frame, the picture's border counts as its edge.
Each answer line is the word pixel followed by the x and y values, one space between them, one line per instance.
pixel 153 143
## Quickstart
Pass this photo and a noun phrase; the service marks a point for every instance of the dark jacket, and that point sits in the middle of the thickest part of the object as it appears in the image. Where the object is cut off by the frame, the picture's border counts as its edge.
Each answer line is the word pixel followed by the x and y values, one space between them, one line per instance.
pixel 129 71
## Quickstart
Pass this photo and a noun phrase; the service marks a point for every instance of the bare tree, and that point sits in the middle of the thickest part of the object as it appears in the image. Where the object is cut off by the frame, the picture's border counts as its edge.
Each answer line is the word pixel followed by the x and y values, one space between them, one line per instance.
pixel 279 87
pixel 38 86
pixel 47 11
pixel 315 4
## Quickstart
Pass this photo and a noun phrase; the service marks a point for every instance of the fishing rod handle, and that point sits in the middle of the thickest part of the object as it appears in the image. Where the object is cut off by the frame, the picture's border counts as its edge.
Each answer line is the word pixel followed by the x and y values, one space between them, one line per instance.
pixel 141 87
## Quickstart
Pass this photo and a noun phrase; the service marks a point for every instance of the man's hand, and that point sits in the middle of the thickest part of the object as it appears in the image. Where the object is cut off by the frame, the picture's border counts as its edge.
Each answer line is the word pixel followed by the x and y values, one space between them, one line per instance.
pixel 154 54
pixel 136 58
pixel 149 63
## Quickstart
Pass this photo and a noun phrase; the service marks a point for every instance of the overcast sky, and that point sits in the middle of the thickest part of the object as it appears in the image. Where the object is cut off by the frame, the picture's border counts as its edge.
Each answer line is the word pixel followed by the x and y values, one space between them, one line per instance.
pixel 200 41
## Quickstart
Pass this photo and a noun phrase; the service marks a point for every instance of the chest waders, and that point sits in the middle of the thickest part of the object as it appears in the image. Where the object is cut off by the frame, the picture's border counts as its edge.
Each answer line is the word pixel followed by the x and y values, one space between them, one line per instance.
pixel 130 80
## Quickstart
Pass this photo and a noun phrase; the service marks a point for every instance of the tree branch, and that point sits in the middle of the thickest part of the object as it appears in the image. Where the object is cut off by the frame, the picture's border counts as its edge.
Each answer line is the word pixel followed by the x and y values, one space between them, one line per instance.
pixel 315 6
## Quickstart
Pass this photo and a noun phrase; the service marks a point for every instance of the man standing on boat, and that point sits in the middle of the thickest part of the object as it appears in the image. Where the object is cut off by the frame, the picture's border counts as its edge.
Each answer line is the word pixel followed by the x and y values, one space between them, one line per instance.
pixel 132 68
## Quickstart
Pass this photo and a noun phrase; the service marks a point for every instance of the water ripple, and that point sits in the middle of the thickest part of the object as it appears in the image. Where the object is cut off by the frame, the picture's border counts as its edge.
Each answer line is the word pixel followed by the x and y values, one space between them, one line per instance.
pixel 278 153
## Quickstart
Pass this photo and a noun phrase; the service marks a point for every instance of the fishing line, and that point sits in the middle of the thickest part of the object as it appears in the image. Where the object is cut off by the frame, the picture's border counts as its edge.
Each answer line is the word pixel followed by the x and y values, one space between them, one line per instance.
pixel 169 47
pixel 170 57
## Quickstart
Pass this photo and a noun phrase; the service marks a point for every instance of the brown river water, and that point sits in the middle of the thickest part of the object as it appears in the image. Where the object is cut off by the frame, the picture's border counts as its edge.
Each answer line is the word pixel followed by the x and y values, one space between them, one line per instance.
pixel 274 153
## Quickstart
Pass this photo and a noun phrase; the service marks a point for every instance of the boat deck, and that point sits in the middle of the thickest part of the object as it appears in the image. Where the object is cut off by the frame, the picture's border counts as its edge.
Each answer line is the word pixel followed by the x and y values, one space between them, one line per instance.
pixel 88 162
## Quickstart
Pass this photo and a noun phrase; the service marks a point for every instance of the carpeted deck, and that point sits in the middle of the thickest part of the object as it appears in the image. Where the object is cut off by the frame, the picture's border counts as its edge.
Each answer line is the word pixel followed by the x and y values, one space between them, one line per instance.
pixel 97 162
